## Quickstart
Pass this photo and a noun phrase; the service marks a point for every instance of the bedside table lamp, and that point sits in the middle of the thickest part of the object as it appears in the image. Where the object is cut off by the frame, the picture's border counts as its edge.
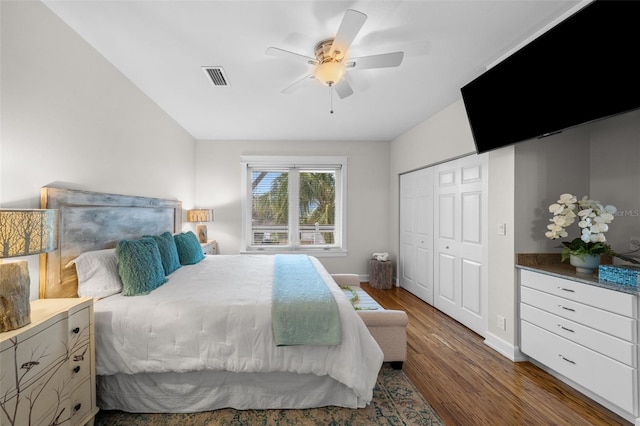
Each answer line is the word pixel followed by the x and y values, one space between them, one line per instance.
pixel 22 233
pixel 200 216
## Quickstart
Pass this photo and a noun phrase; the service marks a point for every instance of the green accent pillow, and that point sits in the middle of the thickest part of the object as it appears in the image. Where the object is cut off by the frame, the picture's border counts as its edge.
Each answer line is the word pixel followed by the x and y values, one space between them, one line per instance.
pixel 168 252
pixel 189 248
pixel 139 266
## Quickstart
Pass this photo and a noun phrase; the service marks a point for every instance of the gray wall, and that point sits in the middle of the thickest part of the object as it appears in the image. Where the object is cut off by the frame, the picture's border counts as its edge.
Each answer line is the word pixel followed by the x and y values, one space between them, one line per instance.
pixel 599 159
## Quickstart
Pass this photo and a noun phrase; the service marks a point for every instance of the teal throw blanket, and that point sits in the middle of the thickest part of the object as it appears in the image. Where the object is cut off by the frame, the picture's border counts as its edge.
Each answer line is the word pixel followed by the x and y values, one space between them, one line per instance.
pixel 304 311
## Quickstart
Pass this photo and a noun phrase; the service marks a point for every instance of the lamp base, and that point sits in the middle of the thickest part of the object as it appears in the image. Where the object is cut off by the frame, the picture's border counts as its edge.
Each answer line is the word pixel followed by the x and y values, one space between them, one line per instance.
pixel 201 231
pixel 15 307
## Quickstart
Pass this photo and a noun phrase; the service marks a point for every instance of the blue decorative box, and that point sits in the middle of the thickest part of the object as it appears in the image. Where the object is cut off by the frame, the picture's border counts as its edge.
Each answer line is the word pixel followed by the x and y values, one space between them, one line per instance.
pixel 620 274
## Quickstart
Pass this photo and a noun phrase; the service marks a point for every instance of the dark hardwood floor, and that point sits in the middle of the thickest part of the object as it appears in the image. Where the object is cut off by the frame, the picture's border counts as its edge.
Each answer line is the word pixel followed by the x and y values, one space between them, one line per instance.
pixel 468 383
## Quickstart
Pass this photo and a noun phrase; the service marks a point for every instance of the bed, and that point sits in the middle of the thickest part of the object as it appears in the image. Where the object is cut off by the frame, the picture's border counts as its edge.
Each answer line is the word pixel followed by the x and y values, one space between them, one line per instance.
pixel 204 339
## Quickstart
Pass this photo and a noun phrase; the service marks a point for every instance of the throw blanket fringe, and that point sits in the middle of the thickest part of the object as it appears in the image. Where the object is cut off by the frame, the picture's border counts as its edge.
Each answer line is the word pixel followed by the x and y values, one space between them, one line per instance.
pixel 304 311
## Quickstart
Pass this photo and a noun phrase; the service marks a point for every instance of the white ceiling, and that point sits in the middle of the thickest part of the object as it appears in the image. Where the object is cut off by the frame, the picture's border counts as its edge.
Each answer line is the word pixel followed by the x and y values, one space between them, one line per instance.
pixel 162 45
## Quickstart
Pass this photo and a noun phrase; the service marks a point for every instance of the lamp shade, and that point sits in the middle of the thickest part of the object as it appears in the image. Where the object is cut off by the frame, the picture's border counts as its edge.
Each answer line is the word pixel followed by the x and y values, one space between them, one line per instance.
pixel 330 73
pixel 27 232
pixel 200 215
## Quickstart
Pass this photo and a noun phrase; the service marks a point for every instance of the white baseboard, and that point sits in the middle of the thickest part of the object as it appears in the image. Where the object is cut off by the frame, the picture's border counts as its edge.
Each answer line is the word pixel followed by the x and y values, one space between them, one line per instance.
pixel 504 348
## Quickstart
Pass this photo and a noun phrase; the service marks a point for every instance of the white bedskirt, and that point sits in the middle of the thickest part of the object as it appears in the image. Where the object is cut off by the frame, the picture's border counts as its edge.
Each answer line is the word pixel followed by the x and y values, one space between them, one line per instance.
pixel 213 390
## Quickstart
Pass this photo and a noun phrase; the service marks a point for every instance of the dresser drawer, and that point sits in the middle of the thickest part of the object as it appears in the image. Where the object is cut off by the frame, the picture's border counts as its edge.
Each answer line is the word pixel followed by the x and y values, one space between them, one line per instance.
pixel 79 330
pixel 35 356
pixel 81 402
pixel 613 301
pixel 51 360
pixel 605 321
pixel 603 376
pixel 80 365
pixel 49 402
pixel 618 349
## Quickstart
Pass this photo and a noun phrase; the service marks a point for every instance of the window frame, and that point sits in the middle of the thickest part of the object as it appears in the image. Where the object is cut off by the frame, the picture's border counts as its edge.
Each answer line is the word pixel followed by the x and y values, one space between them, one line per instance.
pixel 293 164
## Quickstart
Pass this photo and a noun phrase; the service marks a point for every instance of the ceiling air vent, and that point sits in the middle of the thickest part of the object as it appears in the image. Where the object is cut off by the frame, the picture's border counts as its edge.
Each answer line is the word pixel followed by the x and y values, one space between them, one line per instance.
pixel 216 76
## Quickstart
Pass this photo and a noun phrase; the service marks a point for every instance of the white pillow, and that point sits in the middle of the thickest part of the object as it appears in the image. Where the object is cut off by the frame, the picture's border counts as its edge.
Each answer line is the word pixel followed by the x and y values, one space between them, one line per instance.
pixel 98 273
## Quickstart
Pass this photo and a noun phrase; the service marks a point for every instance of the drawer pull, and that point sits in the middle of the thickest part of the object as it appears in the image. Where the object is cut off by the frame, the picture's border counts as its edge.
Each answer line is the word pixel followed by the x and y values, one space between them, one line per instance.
pixel 80 357
pixel 565 328
pixel 76 369
pixel 566 309
pixel 567 359
pixel 77 406
pixel 566 289
pixel 76 330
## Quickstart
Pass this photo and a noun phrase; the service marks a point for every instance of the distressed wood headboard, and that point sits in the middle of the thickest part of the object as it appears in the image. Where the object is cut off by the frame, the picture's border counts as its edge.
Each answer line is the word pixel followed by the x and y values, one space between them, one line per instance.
pixel 93 221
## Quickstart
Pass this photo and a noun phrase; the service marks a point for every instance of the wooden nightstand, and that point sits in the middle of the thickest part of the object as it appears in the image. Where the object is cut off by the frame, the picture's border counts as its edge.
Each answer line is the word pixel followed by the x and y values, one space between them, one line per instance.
pixel 48 370
pixel 210 247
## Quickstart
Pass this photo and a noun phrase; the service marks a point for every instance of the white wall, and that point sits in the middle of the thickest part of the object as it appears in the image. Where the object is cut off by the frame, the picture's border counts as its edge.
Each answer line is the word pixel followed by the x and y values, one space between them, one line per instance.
pixel 446 136
pixel 218 187
pixel 502 291
pixel 68 116
pixel 601 159
pixel 442 137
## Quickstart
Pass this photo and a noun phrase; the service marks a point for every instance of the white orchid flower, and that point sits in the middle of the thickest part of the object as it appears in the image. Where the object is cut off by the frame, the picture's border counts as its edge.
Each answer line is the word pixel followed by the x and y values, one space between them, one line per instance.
pixel 592 217
pixel 584 212
pixel 600 227
pixel 567 199
pixel 562 221
pixel 556 208
pixel 607 217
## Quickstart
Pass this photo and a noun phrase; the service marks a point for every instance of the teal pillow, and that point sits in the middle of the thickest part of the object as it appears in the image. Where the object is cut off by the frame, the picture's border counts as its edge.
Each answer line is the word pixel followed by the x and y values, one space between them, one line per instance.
pixel 139 266
pixel 189 248
pixel 168 252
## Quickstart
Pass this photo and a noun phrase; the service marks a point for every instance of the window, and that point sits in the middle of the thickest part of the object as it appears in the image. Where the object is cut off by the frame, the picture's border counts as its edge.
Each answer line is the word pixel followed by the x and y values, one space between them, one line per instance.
pixel 294 204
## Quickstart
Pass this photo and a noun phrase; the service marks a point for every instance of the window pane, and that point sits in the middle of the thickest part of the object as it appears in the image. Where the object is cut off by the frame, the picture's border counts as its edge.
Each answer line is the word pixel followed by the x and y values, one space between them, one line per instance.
pixel 270 207
pixel 317 201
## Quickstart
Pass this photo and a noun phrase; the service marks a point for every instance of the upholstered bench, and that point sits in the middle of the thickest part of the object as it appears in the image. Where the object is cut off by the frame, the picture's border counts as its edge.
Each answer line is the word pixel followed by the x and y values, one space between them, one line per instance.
pixel 388 327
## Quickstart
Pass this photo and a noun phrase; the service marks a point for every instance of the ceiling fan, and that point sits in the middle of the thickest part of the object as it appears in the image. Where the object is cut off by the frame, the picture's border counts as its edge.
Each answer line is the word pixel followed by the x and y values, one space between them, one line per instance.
pixel 332 59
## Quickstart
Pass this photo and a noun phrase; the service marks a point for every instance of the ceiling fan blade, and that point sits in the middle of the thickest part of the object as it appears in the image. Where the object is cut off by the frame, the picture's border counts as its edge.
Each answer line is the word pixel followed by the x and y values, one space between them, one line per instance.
pixel 275 51
pixel 349 28
pixel 384 60
pixel 343 88
pixel 298 84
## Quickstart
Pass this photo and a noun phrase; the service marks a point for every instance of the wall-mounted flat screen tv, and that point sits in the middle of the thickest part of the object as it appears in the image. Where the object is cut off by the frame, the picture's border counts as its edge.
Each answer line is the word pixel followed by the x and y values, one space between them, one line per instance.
pixel 583 69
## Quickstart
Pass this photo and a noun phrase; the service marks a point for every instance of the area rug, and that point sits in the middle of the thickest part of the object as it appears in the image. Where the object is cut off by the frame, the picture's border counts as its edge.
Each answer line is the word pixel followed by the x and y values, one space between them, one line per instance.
pixel 396 401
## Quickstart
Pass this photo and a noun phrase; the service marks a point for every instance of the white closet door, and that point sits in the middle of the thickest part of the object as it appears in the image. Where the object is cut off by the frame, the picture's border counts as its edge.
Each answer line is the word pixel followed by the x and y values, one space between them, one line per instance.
pixel 460 217
pixel 416 233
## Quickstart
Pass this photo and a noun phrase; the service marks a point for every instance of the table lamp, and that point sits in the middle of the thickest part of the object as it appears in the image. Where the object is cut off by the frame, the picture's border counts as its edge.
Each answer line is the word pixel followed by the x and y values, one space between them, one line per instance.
pixel 200 216
pixel 22 233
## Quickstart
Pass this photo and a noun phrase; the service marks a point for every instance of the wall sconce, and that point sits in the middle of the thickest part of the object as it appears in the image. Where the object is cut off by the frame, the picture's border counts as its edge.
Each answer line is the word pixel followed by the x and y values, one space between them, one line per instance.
pixel 22 233
pixel 200 216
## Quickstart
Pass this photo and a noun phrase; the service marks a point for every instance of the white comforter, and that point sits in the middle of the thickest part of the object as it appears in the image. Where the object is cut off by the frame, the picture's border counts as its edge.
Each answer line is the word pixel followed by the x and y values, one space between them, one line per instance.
pixel 216 315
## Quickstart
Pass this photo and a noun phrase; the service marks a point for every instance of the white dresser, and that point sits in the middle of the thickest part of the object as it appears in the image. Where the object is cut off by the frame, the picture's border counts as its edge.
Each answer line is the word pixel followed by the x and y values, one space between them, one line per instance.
pixel 47 370
pixel 585 335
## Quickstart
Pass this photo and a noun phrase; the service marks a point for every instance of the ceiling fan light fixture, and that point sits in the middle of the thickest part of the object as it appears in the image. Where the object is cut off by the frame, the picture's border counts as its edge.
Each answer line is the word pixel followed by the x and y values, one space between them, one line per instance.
pixel 330 73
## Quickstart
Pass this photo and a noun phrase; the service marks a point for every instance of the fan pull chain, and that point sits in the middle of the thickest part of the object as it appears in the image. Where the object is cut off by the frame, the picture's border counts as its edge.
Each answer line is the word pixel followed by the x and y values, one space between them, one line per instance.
pixel 331 98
